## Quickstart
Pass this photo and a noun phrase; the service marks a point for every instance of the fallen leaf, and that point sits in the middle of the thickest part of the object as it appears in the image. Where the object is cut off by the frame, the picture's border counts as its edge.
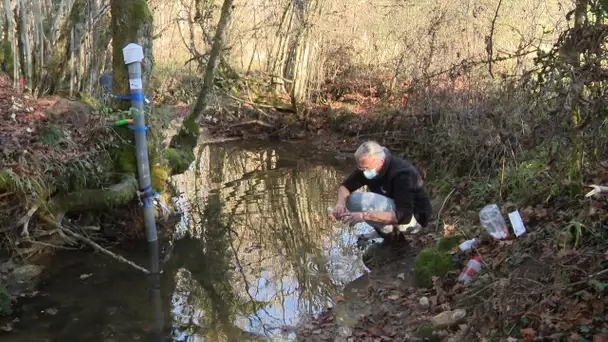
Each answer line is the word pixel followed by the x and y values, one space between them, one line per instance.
pixel 528 334
pixel 401 276
pixel 601 337
pixel 375 330
pixel 317 331
pixel 338 299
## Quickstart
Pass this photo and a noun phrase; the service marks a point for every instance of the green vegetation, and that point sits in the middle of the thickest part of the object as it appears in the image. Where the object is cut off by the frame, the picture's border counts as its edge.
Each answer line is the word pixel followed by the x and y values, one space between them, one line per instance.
pixel 432 263
pixel 427 332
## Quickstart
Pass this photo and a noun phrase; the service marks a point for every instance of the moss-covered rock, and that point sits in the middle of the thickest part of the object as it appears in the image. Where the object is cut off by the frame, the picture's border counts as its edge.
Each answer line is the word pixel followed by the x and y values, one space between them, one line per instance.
pixel 432 263
pixel 125 160
pixel 158 177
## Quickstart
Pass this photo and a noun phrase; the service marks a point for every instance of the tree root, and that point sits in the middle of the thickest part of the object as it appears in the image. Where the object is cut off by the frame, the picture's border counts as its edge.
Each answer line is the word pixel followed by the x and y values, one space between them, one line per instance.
pixel 25 221
pixel 94 199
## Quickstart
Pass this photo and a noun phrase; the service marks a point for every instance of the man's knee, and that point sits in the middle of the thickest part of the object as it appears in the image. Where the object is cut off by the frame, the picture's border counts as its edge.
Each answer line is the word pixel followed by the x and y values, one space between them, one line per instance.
pixel 368 201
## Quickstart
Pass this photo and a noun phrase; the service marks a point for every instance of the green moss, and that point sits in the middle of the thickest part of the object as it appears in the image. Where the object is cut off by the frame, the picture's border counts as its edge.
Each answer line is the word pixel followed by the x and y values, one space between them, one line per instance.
pixel 77 11
pixel 6 56
pixel 179 160
pixel 432 263
pixel 446 244
pixel 141 11
pixel 158 177
pixel 5 180
pixel 187 138
pixel 5 301
pixel 427 332
pixel 191 125
pixel 93 102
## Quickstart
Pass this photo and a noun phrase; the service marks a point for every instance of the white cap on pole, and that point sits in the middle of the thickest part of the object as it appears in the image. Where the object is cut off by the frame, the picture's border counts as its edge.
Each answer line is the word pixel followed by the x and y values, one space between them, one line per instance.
pixel 133 53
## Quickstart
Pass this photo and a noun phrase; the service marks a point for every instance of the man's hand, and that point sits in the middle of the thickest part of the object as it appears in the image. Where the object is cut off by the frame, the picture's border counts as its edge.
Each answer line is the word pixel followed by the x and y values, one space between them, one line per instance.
pixel 339 211
pixel 352 218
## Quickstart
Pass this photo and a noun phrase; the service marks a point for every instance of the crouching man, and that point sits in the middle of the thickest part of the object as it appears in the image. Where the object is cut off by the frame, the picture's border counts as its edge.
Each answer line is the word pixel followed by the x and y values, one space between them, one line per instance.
pixel 396 203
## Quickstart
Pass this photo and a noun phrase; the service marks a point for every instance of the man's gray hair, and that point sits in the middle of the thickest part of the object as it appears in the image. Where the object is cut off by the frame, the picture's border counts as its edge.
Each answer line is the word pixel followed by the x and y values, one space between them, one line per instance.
pixel 370 148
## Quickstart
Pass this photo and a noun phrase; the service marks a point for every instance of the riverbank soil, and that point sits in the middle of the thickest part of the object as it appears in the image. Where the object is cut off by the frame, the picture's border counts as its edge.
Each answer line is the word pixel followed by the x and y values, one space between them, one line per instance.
pixel 537 285
pixel 57 173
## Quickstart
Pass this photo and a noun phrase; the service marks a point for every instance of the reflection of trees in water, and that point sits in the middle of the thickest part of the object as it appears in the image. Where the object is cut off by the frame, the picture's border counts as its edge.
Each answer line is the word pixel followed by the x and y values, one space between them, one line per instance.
pixel 260 235
pixel 209 306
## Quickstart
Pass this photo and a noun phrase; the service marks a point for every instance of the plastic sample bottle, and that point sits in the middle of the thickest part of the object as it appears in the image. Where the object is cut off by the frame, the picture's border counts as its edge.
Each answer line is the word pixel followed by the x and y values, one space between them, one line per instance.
pixel 470 270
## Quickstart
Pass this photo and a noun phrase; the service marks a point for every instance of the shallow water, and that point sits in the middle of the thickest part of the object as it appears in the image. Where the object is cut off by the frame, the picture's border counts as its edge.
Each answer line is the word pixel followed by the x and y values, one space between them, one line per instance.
pixel 256 250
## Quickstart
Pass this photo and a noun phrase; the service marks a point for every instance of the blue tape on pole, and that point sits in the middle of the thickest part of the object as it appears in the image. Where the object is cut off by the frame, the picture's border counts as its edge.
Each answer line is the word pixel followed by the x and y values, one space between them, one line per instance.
pixel 139 129
pixel 137 97
pixel 149 187
pixel 150 195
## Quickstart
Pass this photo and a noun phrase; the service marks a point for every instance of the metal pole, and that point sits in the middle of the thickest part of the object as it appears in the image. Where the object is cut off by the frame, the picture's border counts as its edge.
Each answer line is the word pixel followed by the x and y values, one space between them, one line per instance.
pixel 133 55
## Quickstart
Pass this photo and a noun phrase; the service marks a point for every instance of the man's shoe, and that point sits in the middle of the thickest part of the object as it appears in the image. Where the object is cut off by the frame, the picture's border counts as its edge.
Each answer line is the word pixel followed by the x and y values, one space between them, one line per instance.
pixel 411 230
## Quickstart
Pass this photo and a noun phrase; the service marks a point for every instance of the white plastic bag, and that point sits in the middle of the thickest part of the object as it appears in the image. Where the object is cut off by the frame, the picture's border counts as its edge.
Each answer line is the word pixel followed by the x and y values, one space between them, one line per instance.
pixel 491 219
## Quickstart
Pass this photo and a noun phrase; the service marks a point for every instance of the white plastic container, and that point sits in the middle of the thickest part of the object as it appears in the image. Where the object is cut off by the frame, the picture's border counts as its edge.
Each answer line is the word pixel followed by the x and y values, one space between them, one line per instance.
pixel 491 219
pixel 517 223
pixel 470 270
pixel 467 245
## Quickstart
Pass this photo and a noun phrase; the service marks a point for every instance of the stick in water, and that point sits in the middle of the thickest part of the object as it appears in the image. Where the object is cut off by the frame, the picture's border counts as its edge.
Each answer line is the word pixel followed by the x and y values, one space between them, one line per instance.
pixel 96 246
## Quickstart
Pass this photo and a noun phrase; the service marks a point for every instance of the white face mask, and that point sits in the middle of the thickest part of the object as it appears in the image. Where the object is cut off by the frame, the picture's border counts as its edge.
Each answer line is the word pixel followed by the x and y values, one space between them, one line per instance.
pixel 370 174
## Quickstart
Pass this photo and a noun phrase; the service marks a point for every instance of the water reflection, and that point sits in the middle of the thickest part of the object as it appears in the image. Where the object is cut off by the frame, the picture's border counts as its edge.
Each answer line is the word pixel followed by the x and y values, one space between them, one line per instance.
pixel 259 248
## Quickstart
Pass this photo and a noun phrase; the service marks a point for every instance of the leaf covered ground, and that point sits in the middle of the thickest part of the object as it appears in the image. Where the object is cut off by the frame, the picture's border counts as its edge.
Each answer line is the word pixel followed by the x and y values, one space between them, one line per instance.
pixel 47 145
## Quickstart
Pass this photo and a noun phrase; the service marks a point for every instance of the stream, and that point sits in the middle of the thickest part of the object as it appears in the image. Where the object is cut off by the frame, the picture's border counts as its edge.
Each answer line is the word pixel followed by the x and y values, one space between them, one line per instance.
pixel 255 251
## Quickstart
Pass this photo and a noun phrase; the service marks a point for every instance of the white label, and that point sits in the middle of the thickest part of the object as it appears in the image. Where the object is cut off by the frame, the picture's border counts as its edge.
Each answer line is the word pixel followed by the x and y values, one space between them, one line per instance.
pixel 517 223
pixel 135 84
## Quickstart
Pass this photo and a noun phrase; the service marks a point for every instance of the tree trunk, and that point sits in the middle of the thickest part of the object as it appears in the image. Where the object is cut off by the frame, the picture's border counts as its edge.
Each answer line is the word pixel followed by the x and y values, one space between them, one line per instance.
pixel 132 22
pixel 13 40
pixel 181 154
pixel 25 41
pixel 57 23
pixel 576 164
pixel 276 58
pixel 56 70
pixel 72 62
pixel 214 58
pixel 39 36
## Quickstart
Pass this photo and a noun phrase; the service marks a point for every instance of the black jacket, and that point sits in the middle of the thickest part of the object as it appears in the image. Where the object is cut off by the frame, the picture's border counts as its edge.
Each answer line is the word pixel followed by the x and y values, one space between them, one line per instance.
pixel 399 180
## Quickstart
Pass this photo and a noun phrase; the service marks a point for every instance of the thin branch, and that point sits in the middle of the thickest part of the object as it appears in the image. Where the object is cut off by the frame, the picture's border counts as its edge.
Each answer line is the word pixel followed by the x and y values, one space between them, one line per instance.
pixel 441 209
pixel 94 245
pixel 6 194
pixel 490 39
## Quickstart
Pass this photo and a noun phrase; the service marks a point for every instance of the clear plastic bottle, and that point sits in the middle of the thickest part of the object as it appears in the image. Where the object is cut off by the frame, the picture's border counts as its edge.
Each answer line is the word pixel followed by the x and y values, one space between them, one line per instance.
pixel 492 220
pixel 470 270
